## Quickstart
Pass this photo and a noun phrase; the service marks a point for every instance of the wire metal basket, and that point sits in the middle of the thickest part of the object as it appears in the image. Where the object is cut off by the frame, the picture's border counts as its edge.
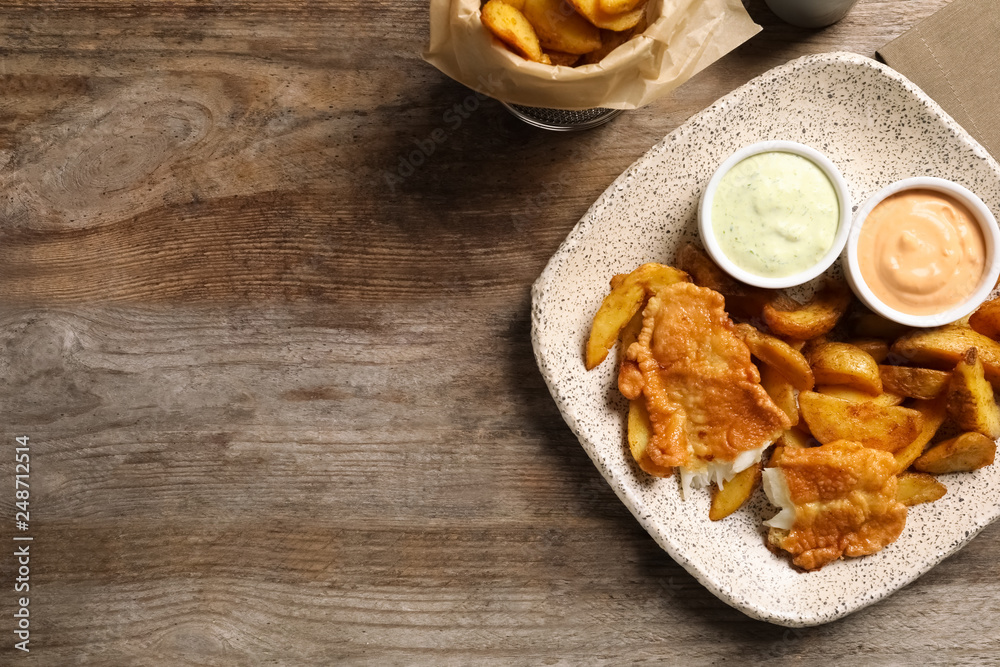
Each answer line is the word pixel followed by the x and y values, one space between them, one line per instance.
pixel 561 120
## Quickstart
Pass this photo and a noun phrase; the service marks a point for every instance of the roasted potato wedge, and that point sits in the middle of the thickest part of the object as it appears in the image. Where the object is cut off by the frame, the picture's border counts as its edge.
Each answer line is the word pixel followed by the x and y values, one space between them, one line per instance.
pixel 879 349
pixel 564 59
pixel 626 298
pixel 815 318
pixel 640 430
pixel 619 6
pixel 971 404
pixel 795 438
pixel 923 383
pixel 559 28
pixel 914 488
pixel 734 493
pixel 889 428
pixel 511 27
pixel 963 453
pixel 934 412
pixel 847 365
pixel 592 11
pixel 745 301
pixel 857 396
pixel 986 319
pixel 778 354
pixel 945 346
pixel 781 392
pixel 872 325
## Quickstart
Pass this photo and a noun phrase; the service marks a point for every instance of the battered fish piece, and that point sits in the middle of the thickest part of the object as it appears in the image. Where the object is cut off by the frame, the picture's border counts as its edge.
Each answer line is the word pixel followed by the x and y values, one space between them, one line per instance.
pixel 837 500
pixel 710 416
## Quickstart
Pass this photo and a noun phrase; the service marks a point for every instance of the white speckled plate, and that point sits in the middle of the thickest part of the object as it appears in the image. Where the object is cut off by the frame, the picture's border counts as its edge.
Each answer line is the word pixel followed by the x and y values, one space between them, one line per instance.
pixel 877 127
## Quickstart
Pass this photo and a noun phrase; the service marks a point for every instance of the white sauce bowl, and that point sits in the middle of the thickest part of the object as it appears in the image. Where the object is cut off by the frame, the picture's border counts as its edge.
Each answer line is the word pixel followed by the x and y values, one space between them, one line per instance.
pixel 991 236
pixel 707 231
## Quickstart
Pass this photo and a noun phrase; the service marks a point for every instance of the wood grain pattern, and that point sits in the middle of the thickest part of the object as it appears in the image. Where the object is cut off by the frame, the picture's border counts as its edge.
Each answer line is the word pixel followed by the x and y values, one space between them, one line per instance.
pixel 280 392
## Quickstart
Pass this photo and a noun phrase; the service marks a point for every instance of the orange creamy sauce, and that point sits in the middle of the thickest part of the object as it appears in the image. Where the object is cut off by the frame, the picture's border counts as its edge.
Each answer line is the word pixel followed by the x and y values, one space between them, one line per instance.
pixel 921 252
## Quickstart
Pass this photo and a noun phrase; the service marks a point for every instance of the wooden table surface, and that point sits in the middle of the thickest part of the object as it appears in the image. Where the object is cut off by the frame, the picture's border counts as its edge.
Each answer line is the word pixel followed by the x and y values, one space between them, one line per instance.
pixel 284 409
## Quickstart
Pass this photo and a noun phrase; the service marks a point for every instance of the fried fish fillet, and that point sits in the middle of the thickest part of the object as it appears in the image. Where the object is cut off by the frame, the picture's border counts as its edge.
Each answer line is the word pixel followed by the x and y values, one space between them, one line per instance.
pixel 710 416
pixel 837 500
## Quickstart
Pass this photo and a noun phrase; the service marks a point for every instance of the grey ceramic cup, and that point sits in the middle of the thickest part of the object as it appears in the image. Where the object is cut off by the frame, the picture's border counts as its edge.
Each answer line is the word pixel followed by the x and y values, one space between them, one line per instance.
pixel 810 13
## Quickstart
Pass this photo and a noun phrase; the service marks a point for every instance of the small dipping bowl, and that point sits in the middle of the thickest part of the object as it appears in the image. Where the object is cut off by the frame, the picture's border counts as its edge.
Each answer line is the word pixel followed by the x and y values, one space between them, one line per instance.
pixel 991 236
pixel 707 228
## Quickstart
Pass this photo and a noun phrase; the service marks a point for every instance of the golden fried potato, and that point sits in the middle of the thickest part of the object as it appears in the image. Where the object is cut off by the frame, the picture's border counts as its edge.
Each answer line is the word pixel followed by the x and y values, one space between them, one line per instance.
pixel 778 354
pixel 742 300
pixel 914 488
pixel 934 412
pixel 734 493
pixel 879 349
pixel 624 301
pixel 872 325
pixel 857 396
pixel 814 318
pixel 913 382
pixel 847 365
pixel 512 28
pixel 564 59
pixel 516 4
pixel 963 453
pixel 559 28
pixel 794 438
pixel 611 40
pixel 619 6
pixel 971 404
pixel 945 346
pixel 781 392
pixel 986 319
pixel 640 430
pixel 888 428
pixel 591 10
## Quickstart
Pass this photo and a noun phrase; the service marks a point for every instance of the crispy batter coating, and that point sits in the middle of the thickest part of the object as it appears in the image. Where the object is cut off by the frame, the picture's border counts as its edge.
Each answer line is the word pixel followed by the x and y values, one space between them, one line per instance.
pixel 844 496
pixel 701 387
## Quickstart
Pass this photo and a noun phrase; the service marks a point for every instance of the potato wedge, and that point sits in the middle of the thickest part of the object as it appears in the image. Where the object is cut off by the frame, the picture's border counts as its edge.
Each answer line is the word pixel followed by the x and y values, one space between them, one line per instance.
pixel 564 59
pixel 879 349
pixel 945 346
pixel 512 28
pixel 560 28
pixel 814 318
pixel 742 300
pixel 856 396
pixel 914 488
pixel 889 428
pixel 922 383
pixel 872 325
pixel 781 392
pixel 963 453
pixel 734 493
pixel 778 354
pixel 934 412
pixel 624 301
pixel 795 438
pixel 986 319
pixel 971 404
pixel 847 365
pixel 640 430
pixel 592 11
pixel 516 4
pixel 619 6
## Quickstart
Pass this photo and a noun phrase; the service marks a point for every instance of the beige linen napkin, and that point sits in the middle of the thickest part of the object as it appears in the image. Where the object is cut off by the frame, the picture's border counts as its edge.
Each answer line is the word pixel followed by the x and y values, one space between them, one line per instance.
pixel 954 56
